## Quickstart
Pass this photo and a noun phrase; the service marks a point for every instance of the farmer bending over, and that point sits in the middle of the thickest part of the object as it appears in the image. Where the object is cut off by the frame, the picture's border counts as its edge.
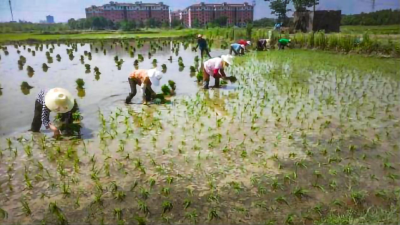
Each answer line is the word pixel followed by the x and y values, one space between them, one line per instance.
pixel 262 44
pixel 143 78
pixel 202 44
pixel 238 49
pixel 56 100
pixel 282 43
pixel 245 43
pixel 215 67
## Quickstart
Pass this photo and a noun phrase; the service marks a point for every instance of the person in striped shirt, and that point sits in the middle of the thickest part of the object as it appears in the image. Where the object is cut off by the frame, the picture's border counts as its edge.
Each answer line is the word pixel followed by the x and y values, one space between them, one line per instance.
pixel 56 100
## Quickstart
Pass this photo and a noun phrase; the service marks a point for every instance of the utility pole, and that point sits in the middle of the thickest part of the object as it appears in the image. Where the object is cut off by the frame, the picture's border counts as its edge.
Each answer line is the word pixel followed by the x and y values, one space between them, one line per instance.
pixel 373 5
pixel 314 8
pixel 12 16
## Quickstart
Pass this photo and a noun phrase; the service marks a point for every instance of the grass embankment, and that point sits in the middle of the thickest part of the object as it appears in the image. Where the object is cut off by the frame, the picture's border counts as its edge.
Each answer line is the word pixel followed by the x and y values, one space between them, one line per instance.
pixel 311 60
pixel 387 29
pixel 8 37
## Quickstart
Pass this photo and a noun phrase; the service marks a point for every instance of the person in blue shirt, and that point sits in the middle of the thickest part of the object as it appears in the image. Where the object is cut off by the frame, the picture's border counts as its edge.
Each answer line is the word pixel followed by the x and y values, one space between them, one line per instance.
pixel 202 45
pixel 238 49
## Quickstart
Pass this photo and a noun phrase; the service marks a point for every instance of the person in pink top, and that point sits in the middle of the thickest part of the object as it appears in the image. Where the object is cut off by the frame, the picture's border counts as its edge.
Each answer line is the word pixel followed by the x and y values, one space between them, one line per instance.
pixel 145 79
pixel 215 67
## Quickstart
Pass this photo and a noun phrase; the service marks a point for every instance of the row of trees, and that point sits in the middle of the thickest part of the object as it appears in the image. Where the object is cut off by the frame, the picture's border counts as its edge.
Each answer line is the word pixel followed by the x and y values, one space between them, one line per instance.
pixel 218 22
pixel 264 22
pixel 99 23
pixel 382 17
pixel 32 27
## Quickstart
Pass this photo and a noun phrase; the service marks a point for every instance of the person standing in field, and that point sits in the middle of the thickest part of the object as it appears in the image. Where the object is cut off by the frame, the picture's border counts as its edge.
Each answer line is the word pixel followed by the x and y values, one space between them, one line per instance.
pixel 202 45
pixel 283 42
pixel 56 100
pixel 215 67
pixel 145 79
pixel 238 49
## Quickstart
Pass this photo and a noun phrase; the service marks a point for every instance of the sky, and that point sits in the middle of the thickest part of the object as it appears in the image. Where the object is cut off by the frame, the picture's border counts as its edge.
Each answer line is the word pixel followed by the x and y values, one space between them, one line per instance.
pixel 62 10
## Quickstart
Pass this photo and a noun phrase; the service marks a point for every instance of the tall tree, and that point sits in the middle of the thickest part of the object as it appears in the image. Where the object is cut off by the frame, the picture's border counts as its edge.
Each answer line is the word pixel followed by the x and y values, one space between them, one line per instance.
pixel 302 5
pixel 279 7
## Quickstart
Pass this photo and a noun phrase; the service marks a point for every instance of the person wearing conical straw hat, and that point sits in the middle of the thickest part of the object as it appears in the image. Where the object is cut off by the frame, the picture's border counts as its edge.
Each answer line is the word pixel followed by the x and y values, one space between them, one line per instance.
pixel 145 79
pixel 215 67
pixel 56 100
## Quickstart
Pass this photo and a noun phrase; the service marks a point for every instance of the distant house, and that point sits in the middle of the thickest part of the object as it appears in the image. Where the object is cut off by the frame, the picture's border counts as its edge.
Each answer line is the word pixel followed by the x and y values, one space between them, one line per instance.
pixel 50 19
pixel 237 14
pixel 326 20
pixel 137 11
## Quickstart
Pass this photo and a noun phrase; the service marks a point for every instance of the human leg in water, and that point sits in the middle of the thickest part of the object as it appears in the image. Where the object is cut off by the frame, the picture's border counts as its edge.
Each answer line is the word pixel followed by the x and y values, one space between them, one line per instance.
pixel 206 79
pixel 37 118
pixel 132 94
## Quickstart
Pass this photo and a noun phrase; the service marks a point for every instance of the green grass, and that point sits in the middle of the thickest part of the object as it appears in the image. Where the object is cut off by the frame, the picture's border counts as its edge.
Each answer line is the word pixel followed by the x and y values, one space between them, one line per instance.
pixel 386 29
pixel 309 59
pixel 95 35
pixel 371 216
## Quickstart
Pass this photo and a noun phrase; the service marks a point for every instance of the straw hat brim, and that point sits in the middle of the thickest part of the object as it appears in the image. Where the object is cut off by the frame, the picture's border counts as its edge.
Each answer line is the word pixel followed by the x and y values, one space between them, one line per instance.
pixel 228 59
pixel 59 100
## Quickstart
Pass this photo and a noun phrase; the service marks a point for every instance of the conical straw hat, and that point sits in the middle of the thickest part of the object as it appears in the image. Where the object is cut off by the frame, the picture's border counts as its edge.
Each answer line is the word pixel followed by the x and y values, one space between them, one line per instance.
pixel 59 100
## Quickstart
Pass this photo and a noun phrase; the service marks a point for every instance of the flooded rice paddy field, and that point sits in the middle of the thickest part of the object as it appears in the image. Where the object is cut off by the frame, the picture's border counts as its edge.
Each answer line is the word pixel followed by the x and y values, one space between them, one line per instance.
pixel 290 142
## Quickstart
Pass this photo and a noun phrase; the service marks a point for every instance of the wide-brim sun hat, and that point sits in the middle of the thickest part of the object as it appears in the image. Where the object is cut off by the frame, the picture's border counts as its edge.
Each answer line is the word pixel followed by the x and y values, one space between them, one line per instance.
pixel 59 100
pixel 228 59
pixel 154 76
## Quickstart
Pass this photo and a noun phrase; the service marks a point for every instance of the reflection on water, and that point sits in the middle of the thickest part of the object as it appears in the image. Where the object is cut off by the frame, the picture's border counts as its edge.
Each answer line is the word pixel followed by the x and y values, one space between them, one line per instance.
pixel 63 73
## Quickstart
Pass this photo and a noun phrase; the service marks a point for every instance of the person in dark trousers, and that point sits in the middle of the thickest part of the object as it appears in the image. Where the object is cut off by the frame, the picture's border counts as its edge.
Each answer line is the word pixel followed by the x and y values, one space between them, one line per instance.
pixel 56 100
pixel 145 79
pixel 202 45
pixel 282 43
pixel 215 67
pixel 262 44
pixel 238 49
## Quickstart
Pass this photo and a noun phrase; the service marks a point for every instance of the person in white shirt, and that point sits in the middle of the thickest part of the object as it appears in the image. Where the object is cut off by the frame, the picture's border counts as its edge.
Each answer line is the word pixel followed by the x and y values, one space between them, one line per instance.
pixel 215 67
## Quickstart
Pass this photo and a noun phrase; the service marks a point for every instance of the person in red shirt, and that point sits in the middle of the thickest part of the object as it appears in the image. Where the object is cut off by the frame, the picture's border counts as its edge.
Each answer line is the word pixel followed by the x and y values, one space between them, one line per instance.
pixel 244 42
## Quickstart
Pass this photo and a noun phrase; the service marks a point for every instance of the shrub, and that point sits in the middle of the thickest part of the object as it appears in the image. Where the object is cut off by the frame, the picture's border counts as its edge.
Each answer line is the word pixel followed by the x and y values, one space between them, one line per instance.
pixel 199 76
pixel 172 84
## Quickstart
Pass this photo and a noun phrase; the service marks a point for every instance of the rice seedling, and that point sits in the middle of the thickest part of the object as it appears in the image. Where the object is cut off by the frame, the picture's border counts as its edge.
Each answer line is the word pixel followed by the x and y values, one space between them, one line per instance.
pixel 142 206
pixel 3 214
pixel 118 213
pixel 45 67
pixel 167 206
pixel 300 192
pixel 80 83
pixel 25 207
pixel 192 216
pixel 213 214
pixel 166 90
